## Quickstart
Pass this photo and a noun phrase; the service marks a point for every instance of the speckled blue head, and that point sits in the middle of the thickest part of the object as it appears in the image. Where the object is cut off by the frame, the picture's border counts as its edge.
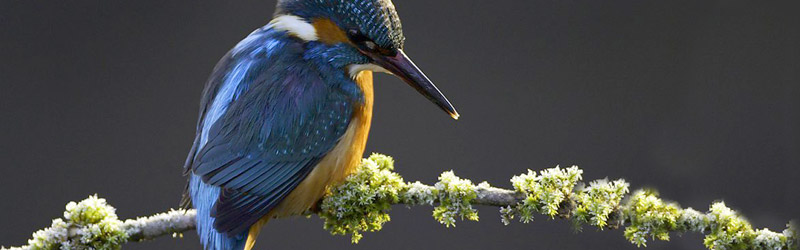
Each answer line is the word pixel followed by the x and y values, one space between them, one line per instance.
pixel 355 35
pixel 377 20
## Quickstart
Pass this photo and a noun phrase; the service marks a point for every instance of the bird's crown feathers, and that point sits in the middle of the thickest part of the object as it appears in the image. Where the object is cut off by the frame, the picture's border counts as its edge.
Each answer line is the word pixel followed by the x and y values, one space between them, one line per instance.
pixel 376 20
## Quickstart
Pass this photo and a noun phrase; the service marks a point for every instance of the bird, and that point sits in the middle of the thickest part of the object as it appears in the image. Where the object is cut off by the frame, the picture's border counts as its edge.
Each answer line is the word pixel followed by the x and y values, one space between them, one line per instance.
pixel 287 112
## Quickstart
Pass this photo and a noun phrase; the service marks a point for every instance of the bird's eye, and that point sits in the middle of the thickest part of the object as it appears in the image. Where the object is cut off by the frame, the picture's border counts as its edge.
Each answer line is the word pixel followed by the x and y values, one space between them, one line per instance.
pixel 370 45
pixel 361 40
pixel 356 36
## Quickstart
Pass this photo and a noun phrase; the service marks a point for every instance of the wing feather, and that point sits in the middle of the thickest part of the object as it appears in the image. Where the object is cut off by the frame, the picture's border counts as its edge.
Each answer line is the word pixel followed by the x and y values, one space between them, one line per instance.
pixel 276 122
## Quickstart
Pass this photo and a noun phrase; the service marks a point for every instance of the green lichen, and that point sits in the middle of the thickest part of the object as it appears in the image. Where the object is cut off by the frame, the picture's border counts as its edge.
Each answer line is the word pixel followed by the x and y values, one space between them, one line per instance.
pixel 729 230
pixel 89 224
pixel 507 214
pixel 596 202
pixel 454 195
pixel 363 201
pixel 766 239
pixel 545 192
pixel 419 194
pixel 693 220
pixel 650 217
pixel 792 239
pixel 50 238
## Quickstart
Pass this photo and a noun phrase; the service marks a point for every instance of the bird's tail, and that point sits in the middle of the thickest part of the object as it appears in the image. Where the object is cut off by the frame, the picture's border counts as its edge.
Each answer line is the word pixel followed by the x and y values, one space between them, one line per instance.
pixel 203 198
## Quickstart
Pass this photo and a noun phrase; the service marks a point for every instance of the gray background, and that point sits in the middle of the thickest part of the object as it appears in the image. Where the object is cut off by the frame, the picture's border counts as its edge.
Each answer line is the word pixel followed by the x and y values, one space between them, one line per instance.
pixel 696 98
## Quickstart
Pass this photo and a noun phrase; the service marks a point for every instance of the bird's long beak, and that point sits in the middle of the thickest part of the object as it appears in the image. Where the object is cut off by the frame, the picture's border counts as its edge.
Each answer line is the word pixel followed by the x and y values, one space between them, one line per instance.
pixel 402 66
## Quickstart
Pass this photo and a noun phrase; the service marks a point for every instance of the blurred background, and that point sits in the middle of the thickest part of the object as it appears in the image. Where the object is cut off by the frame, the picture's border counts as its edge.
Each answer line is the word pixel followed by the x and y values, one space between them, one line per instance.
pixel 698 99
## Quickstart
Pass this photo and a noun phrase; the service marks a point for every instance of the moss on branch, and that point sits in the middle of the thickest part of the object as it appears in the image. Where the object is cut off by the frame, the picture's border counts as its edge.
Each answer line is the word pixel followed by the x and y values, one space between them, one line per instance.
pixel 554 192
pixel 363 202
pixel 89 224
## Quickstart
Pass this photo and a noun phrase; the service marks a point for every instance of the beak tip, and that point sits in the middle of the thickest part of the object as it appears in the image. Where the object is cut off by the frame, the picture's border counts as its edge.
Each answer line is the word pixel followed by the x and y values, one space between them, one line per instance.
pixel 455 116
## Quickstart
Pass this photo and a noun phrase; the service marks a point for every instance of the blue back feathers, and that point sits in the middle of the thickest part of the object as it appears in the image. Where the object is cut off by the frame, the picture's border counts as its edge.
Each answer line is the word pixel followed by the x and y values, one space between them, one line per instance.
pixel 272 108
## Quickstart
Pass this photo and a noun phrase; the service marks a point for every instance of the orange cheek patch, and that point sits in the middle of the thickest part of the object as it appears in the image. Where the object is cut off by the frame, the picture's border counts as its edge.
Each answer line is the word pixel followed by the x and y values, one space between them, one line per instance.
pixel 328 32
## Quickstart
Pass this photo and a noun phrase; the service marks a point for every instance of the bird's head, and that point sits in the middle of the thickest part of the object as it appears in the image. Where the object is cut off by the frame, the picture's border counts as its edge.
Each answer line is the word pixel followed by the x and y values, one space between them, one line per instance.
pixel 358 35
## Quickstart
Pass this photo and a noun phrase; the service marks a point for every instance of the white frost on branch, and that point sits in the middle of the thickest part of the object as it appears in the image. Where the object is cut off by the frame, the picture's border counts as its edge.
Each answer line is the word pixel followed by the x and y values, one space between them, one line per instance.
pixel 172 222
pixel 362 204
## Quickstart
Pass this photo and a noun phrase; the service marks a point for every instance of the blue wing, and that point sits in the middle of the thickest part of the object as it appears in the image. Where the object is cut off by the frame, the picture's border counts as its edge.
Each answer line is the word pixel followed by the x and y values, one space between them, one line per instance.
pixel 266 120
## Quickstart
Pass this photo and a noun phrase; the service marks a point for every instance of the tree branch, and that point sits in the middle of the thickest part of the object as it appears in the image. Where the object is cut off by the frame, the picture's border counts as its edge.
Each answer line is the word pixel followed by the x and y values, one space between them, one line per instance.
pixel 497 197
pixel 362 204
pixel 169 223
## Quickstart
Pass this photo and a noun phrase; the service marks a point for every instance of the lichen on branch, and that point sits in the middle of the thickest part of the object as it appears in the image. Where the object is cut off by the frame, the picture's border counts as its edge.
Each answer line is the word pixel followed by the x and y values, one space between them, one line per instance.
pixel 89 224
pixel 555 192
pixel 454 195
pixel 93 224
pixel 546 191
pixel 363 201
pixel 651 217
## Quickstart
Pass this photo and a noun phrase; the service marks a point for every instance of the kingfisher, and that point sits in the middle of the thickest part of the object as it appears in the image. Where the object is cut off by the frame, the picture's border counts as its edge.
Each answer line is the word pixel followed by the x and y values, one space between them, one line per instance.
pixel 287 111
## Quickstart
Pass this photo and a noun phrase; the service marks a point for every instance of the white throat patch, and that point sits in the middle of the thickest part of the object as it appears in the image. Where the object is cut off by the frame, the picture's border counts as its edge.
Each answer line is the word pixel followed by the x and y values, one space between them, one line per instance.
pixel 296 26
pixel 357 68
